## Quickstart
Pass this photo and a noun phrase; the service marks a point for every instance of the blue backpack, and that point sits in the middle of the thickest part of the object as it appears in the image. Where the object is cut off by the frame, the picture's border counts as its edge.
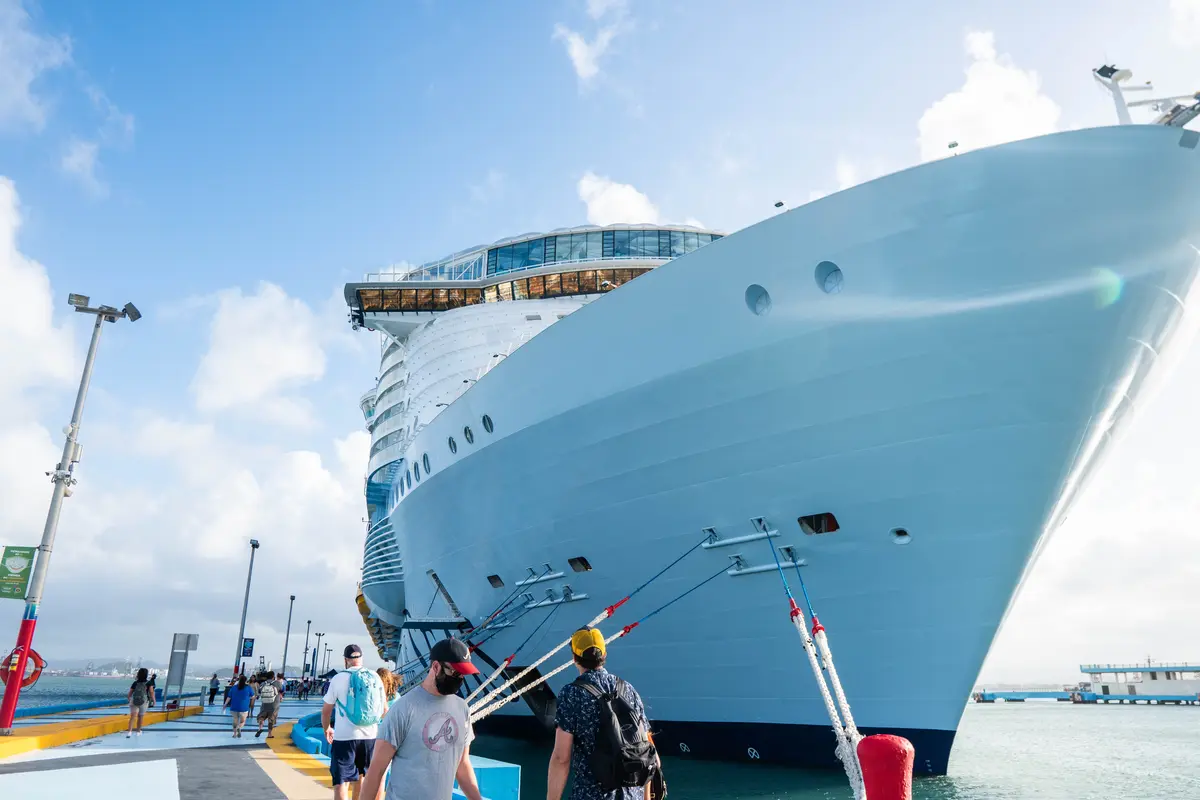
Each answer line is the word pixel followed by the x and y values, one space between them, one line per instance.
pixel 365 703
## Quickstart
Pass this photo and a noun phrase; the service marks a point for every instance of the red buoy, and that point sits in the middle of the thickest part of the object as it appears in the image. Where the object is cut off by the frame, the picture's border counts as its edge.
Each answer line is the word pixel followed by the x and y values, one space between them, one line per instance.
pixel 887 766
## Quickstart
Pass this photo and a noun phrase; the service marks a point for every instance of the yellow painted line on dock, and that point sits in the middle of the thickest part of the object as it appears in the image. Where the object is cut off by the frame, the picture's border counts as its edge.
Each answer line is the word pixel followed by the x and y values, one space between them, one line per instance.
pixel 56 734
pixel 281 745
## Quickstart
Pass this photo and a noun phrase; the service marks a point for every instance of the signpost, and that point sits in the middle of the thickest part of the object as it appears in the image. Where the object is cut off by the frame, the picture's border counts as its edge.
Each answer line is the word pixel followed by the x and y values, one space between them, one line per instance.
pixel 16 565
pixel 177 668
pixel 247 648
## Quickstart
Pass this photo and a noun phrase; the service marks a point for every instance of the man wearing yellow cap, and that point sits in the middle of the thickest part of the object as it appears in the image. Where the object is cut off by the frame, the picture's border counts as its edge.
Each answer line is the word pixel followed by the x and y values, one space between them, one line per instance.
pixel 586 738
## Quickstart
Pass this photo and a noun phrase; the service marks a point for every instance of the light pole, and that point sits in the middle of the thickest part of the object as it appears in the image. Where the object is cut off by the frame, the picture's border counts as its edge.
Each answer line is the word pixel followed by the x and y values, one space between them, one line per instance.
pixel 237 664
pixel 316 655
pixel 328 650
pixel 63 478
pixel 304 668
pixel 287 635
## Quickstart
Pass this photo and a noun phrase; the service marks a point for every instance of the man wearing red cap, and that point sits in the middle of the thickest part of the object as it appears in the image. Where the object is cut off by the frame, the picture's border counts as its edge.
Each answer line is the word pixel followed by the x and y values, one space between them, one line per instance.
pixel 426 735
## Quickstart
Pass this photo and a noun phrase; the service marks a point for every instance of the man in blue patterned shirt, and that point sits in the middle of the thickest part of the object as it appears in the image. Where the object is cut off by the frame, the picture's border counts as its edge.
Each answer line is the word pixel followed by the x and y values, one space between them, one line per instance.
pixel 578 719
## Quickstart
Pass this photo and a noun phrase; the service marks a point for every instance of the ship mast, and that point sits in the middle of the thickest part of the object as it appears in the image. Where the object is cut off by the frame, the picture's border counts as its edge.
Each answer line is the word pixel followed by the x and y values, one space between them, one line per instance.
pixel 1175 111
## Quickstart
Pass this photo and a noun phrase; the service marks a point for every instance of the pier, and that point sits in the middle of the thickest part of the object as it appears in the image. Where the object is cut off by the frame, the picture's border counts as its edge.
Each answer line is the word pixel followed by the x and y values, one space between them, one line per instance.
pixel 186 753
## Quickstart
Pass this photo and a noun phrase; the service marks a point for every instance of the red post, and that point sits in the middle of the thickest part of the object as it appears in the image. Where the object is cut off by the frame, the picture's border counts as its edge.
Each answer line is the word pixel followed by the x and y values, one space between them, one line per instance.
pixel 16 674
pixel 887 766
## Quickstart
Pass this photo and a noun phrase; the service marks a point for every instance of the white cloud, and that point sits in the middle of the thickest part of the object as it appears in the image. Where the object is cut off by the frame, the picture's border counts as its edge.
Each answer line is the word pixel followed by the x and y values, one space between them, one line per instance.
pixel 598 8
pixel 490 189
pixel 261 347
pixel 35 354
pixel 24 57
pixel 585 55
pixel 609 202
pixel 999 102
pixel 1185 22
pixel 79 161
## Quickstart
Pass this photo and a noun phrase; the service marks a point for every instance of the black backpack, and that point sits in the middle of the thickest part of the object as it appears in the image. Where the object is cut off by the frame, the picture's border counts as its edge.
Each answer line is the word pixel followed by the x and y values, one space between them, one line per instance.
pixel 623 755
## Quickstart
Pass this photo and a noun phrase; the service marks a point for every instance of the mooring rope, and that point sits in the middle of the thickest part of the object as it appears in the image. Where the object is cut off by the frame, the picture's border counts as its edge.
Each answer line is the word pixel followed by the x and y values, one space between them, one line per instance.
pixel 819 655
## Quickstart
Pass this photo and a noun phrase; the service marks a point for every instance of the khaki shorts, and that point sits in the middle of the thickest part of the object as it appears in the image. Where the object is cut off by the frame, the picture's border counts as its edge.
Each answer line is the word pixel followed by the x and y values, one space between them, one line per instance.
pixel 239 717
pixel 267 712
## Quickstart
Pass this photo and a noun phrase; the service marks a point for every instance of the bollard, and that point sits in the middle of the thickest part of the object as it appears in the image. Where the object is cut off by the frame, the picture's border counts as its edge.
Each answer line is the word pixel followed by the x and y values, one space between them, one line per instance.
pixel 887 766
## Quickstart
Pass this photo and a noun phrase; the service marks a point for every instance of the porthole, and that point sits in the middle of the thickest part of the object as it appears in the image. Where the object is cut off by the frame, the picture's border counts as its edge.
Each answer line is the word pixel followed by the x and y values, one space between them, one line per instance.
pixel 408 479
pixel 829 277
pixel 425 461
pixel 453 445
pixel 487 423
pixel 470 437
pixel 900 536
pixel 758 300
pixel 416 473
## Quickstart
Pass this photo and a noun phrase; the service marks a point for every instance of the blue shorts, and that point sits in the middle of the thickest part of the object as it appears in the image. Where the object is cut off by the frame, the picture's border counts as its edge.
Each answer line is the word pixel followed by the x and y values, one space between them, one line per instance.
pixel 349 759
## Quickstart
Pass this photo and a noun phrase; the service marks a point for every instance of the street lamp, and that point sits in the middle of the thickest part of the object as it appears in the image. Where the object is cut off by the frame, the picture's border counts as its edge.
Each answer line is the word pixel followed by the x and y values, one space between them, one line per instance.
pixel 287 636
pixel 63 478
pixel 304 668
pixel 316 662
pixel 245 605
pixel 328 650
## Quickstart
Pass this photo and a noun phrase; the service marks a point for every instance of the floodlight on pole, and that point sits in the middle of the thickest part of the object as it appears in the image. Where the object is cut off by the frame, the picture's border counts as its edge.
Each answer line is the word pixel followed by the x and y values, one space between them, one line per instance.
pixel 63 478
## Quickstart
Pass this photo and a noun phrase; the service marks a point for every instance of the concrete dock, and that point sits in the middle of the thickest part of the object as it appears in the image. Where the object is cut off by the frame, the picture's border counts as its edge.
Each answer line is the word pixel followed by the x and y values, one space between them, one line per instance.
pixel 188 754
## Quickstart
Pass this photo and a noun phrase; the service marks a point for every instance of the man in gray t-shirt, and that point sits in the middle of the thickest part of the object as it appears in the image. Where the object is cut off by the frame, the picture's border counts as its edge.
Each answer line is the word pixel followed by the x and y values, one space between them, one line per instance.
pixel 426 735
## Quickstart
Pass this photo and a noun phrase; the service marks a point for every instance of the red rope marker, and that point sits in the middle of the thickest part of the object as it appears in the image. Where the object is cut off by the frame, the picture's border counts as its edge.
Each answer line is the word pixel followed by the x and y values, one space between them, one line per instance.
pixel 887 766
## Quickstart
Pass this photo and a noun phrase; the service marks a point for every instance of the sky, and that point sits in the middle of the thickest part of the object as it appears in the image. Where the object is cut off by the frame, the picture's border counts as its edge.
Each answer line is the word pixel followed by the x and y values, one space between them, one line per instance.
pixel 228 166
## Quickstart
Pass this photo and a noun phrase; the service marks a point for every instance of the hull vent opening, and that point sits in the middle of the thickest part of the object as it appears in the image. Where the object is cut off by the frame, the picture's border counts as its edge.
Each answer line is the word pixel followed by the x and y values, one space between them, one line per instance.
pixel 579 564
pixel 496 581
pixel 817 524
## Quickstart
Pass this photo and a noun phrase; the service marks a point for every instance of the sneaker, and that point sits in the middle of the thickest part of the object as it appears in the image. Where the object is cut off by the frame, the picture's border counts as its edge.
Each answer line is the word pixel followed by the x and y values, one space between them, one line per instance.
pixel 128 735
pixel 139 733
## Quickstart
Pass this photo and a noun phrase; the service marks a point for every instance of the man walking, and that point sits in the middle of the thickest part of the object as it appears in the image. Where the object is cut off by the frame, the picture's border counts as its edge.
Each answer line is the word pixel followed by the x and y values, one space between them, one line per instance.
pixel 214 686
pixel 582 744
pixel 270 695
pixel 426 735
pixel 353 706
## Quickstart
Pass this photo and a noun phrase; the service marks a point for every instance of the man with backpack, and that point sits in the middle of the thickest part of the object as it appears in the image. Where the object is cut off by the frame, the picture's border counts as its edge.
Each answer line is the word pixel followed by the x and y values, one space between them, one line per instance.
pixel 426 735
pixel 270 695
pixel 602 733
pixel 354 705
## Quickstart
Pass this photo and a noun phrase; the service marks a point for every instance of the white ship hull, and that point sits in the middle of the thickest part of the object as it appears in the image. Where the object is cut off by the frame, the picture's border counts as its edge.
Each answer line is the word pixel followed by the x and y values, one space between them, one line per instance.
pixel 999 313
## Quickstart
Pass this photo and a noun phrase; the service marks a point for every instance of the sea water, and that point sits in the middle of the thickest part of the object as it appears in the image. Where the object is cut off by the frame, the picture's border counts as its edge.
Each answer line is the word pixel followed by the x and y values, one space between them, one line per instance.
pixel 53 690
pixel 1013 751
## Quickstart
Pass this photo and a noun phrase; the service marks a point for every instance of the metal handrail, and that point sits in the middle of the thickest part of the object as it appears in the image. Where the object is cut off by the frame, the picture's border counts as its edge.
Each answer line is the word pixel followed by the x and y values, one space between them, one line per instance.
pixel 1182 666
pixel 396 277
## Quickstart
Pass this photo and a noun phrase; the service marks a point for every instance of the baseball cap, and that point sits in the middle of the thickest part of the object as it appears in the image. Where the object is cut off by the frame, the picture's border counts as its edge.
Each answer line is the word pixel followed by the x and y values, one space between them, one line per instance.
pixel 352 651
pixel 454 653
pixel 585 638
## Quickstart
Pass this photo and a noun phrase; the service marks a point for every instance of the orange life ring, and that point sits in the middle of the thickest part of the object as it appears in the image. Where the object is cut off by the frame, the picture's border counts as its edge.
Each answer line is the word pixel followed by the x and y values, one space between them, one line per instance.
pixel 10 663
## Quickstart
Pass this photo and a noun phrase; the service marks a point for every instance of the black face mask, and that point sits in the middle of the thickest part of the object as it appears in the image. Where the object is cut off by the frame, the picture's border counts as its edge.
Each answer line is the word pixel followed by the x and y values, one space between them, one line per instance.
pixel 448 684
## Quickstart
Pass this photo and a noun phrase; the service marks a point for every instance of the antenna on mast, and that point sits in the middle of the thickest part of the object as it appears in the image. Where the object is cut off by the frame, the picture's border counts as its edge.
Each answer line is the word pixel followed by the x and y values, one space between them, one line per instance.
pixel 1171 111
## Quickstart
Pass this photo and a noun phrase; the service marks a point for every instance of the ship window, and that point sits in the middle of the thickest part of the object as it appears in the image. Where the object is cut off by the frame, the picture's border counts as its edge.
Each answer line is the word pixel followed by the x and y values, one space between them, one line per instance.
pixel 570 283
pixel 505 290
pixel 417 472
pixel 470 437
pixel 818 523
pixel 537 287
pixel 520 290
pixel 532 317
pixel 487 423
pixel 587 281
pixel 579 564
pixel 505 259
pixel 408 479
pixel 676 244
pixel 425 461
pixel 453 445
pixel 370 299
pixel 691 241
pixel 1153 676
pixel 620 244
pixel 553 285
pixel 489 294
pixel 474 296
pixel 496 581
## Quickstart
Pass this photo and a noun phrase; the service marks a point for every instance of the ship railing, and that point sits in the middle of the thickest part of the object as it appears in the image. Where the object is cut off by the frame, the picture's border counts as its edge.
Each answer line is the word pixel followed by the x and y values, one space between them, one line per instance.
pixel 399 277
pixel 1172 666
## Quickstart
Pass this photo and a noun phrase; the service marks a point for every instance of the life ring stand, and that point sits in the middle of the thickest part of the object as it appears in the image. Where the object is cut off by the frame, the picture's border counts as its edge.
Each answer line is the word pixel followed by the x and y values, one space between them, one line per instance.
pixel 10 662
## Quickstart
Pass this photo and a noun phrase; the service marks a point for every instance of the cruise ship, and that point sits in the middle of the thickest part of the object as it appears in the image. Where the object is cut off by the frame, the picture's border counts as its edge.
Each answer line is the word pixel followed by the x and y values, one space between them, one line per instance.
pixel 902 386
